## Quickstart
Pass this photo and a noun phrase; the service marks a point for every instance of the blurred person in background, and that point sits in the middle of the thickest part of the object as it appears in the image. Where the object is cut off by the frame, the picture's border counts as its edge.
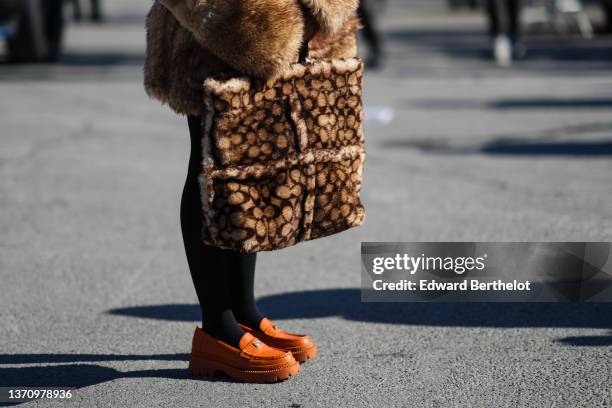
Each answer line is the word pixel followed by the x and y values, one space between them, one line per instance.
pixel 187 42
pixel 504 28
pixel 607 8
pixel 33 29
pixel 54 27
pixel 371 33
pixel 95 10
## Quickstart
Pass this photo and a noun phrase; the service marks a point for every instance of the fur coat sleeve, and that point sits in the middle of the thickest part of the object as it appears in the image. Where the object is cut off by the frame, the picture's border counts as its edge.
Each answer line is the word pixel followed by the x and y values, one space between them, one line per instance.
pixel 189 40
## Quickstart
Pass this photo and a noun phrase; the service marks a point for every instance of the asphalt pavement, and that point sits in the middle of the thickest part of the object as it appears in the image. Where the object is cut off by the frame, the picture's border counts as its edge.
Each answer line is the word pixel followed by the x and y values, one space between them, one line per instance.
pixel 96 293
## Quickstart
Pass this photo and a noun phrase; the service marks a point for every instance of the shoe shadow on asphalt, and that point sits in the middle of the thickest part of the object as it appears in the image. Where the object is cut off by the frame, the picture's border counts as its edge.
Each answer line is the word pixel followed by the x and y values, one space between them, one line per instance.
pixel 75 376
pixel 81 373
pixel 6 359
pixel 346 303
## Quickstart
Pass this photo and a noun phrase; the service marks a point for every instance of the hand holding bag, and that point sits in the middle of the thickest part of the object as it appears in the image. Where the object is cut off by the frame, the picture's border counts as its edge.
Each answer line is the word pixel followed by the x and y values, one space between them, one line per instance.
pixel 283 158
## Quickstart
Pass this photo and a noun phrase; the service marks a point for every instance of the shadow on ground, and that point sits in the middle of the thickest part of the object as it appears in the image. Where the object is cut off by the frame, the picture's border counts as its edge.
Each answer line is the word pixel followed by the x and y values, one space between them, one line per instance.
pixel 587 341
pixel 552 148
pixel 514 103
pixel 545 51
pixel 80 373
pixel 516 147
pixel 102 59
pixel 346 303
pixel 89 358
pixel 76 370
pixel 75 376
pixel 87 59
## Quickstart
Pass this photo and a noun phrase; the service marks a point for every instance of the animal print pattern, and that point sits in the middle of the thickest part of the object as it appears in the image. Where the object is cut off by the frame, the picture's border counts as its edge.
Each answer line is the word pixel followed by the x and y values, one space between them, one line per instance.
pixel 283 159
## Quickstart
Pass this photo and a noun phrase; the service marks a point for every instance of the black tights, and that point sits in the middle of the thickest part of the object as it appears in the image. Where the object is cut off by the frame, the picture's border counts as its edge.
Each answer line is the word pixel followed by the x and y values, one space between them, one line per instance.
pixel 223 279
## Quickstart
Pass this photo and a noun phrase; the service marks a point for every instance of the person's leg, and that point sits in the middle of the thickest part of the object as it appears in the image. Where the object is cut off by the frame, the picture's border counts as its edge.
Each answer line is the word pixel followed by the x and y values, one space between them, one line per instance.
pixel 54 27
pixel 514 11
pixel 499 28
pixel 493 20
pixel 518 47
pixel 210 267
pixel 76 10
pixel 96 10
pixel 242 281
pixel 370 33
pixel 607 8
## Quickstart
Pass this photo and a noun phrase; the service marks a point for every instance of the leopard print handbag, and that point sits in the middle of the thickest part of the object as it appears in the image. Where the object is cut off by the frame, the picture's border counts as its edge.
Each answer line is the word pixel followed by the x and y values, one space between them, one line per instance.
pixel 283 158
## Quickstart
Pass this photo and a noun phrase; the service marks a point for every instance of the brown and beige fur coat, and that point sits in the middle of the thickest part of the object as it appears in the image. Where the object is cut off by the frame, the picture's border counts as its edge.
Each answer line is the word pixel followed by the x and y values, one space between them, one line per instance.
pixel 189 41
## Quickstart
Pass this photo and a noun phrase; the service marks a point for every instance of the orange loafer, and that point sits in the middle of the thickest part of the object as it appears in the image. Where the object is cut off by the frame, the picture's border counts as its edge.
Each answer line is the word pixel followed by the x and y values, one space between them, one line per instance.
pixel 253 361
pixel 301 346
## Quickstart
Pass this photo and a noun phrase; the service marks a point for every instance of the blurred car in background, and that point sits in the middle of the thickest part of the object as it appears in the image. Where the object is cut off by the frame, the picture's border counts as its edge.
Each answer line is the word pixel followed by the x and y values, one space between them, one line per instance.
pixel 32 29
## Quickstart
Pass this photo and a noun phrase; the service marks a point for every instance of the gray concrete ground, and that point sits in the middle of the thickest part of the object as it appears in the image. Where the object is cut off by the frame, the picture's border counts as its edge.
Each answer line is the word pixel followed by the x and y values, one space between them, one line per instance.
pixel 95 289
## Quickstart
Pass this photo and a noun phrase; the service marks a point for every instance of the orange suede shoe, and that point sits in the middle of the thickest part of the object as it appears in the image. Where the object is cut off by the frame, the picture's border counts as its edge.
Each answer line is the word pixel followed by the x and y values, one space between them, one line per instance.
pixel 254 361
pixel 300 345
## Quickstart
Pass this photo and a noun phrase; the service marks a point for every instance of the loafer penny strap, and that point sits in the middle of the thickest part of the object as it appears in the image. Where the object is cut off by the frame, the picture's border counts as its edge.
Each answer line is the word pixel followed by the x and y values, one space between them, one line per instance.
pixel 266 326
pixel 247 340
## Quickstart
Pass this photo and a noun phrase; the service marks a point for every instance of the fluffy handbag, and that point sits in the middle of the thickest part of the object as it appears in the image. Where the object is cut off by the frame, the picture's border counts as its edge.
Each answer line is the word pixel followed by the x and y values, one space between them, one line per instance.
pixel 283 158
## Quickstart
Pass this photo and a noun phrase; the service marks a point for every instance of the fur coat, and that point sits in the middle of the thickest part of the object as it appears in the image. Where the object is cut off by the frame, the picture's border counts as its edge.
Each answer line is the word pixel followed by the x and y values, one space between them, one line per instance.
pixel 189 41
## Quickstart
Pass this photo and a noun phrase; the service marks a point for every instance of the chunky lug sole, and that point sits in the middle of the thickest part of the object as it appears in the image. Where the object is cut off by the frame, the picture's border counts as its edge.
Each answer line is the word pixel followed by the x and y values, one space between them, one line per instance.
pixel 303 355
pixel 201 366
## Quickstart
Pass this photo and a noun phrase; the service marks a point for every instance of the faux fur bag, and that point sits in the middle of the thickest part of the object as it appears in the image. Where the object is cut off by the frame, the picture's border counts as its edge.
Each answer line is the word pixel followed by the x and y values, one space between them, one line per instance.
pixel 283 158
